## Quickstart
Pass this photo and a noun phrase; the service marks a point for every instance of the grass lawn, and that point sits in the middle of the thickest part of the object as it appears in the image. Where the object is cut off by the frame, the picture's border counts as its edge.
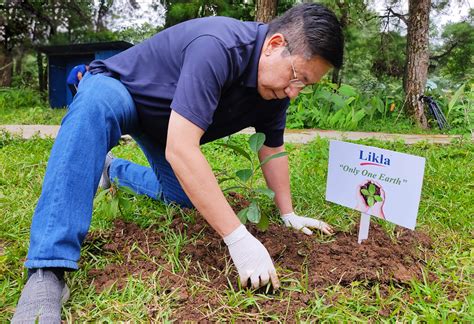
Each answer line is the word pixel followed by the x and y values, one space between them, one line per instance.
pixel 39 115
pixel 27 107
pixel 444 293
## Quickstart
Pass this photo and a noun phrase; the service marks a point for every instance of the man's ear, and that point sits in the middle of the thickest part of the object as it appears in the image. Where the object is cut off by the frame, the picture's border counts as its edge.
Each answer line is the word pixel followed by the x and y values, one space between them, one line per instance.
pixel 275 41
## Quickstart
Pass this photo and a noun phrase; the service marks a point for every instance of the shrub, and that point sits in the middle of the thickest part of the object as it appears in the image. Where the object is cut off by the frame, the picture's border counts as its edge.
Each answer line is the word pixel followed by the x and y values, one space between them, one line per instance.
pixel 327 106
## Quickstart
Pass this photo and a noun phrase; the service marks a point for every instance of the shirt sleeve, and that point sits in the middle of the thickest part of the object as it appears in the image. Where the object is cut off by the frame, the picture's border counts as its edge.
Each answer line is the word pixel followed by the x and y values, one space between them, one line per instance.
pixel 205 71
pixel 272 120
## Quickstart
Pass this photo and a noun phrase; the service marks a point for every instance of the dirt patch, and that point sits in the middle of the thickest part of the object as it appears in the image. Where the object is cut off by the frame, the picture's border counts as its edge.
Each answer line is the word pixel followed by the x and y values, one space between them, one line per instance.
pixel 138 248
pixel 342 261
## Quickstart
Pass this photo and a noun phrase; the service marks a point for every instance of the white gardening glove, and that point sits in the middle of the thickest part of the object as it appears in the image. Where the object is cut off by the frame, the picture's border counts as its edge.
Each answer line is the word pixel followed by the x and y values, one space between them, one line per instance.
pixel 251 259
pixel 302 223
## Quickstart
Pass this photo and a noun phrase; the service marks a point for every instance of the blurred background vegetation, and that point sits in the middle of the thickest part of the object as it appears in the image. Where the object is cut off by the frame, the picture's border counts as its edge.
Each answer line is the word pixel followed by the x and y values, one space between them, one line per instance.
pixel 368 93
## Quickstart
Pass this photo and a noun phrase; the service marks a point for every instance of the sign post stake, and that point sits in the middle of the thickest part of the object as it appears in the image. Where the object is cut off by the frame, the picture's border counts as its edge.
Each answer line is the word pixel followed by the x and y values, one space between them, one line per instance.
pixel 363 227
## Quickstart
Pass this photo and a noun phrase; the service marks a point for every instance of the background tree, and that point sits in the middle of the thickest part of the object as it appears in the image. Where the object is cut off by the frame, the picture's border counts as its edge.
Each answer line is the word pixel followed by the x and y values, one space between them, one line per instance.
pixel 14 33
pixel 354 17
pixel 454 59
pixel 417 59
pixel 182 10
pixel 265 10
pixel 25 24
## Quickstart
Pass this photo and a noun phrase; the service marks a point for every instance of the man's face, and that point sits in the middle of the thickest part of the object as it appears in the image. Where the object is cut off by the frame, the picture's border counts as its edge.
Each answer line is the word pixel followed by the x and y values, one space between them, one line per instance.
pixel 282 75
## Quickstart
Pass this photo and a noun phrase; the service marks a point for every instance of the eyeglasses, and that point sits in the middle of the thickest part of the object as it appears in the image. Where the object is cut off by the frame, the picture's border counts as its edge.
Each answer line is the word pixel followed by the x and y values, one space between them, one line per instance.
pixel 295 82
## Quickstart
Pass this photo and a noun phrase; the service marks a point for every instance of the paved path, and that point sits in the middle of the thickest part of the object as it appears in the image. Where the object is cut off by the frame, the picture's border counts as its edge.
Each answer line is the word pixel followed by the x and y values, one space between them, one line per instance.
pixel 291 136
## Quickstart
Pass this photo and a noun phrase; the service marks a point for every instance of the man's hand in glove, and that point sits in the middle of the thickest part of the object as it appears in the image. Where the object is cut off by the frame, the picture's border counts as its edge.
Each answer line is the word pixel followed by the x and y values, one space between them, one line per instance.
pixel 304 223
pixel 251 259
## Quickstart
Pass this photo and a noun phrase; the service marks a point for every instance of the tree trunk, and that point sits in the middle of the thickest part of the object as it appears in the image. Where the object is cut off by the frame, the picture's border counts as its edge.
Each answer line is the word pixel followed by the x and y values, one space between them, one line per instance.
pixel 6 68
pixel 417 64
pixel 41 72
pixel 266 10
pixel 335 76
pixel 344 21
pixel 19 61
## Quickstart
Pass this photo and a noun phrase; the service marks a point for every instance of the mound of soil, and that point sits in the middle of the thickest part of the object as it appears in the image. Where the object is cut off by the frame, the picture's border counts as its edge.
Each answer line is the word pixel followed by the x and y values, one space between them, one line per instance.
pixel 341 261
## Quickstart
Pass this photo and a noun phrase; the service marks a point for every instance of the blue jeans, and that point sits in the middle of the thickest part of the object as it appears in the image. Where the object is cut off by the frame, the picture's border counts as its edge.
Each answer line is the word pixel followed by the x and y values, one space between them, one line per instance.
pixel 101 112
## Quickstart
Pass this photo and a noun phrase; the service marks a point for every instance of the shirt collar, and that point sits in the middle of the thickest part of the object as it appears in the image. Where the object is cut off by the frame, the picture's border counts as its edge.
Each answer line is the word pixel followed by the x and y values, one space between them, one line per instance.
pixel 249 78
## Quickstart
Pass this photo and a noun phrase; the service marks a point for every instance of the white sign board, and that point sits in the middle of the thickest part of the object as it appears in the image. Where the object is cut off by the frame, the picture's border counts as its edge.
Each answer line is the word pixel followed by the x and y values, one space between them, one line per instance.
pixel 375 181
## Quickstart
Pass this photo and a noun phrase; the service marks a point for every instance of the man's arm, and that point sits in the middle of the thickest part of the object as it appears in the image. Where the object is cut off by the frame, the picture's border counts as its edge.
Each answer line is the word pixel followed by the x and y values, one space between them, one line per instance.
pixel 79 75
pixel 277 176
pixel 195 175
pixel 183 152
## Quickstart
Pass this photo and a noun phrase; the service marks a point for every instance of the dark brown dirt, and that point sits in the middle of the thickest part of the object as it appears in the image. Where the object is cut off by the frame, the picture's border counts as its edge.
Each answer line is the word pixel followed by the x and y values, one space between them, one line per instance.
pixel 342 261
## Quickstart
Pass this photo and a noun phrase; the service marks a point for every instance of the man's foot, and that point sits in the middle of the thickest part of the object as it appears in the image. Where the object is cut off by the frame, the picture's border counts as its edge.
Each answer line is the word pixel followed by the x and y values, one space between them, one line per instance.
pixel 41 299
pixel 104 182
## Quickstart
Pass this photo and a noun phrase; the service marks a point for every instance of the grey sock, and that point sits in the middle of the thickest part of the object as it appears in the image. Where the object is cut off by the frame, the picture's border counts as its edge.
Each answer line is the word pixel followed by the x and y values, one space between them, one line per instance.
pixel 41 299
pixel 58 271
pixel 104 182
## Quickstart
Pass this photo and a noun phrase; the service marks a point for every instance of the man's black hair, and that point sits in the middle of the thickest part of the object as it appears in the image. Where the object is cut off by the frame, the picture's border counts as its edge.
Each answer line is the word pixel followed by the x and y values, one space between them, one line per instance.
pixel 311 29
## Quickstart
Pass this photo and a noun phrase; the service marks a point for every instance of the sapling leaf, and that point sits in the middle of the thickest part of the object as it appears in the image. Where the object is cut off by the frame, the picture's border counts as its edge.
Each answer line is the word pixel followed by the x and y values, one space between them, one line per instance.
pixel 264 222
pixel 253 214
pixel 242 215
pixel 225 179
pixel 378 198
pixel 307 90
pixel 244 174
pixel 125 203
pixel 370 201
pixel 256 141
pixel 267 192
pixel 127 190
pixel 274 156
pixel 233 188
pixel 114 207
pixel 101 195
pixel 108 210
pixel 237 150
pixel 372 188
pixel 365 192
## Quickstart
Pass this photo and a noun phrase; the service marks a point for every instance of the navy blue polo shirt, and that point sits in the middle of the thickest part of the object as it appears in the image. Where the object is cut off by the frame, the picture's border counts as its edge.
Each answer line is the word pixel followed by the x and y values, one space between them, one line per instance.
pixel 204 69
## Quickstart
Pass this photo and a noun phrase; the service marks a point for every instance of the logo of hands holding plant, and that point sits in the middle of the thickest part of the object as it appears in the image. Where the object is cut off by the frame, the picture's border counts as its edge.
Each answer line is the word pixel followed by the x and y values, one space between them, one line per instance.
pixel 370 198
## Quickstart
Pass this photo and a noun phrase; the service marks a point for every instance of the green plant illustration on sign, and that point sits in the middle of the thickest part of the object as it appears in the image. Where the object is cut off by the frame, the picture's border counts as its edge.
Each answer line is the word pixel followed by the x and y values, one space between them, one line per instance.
pixel 246 179
pixel 371 194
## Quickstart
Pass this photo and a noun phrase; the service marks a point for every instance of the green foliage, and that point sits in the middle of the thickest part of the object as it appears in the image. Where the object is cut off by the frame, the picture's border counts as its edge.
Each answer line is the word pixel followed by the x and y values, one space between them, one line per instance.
pixel 246 182
pixel 132 35
pixel 29 22
pixel 455 58
pixel 182 10
pixel 460 108
pixel 346 108
pixel 19 99
pixel 389 60
pixel 28 76
pixel 457 105
pixel 26 106
pixel 330 107
pixel 113 201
